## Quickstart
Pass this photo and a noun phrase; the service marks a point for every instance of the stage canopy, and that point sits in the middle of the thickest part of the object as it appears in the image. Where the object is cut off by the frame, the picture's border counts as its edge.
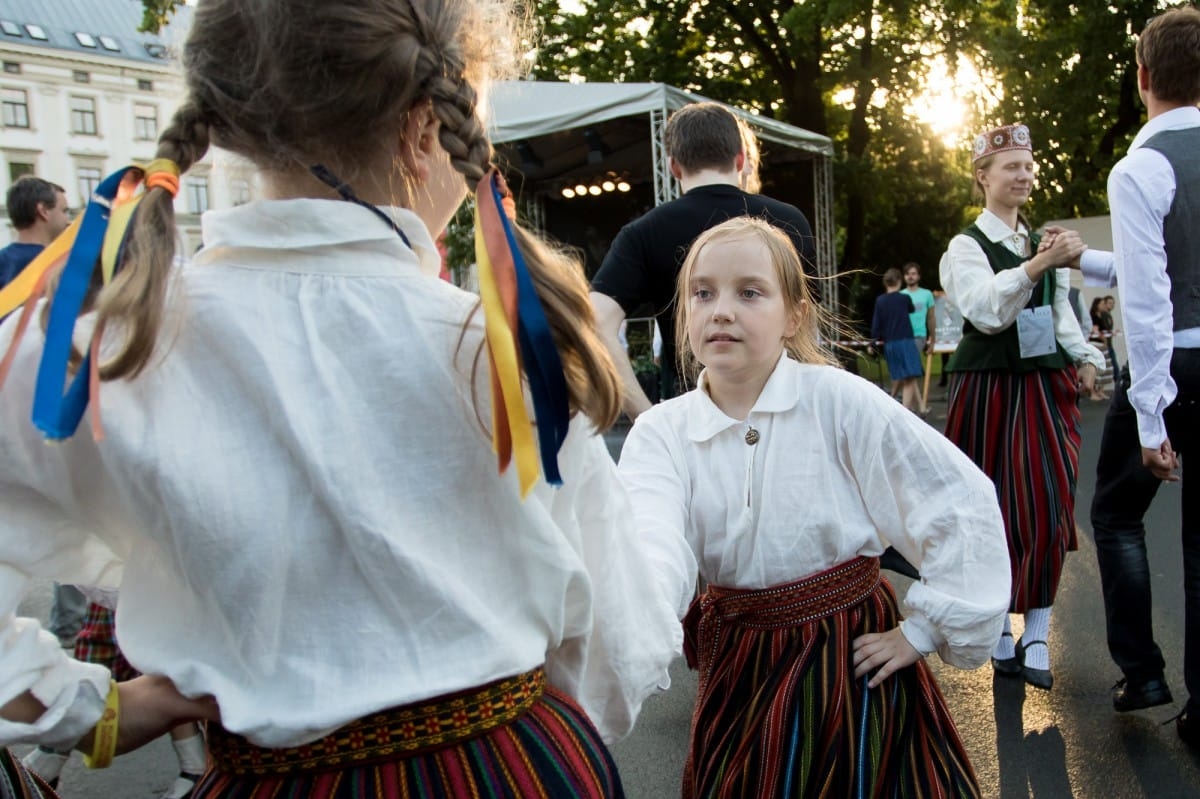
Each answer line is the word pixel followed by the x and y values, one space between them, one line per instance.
pixel 552 137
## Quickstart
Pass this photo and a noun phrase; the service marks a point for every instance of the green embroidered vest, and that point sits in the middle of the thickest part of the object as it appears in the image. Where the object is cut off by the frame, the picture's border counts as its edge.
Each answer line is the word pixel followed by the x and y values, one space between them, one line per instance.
pixel 979 351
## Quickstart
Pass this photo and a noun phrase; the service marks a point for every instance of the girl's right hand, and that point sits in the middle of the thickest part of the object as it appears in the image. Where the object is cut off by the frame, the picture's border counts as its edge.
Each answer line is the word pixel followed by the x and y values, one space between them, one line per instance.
pixel 150 706
pixel 1063 250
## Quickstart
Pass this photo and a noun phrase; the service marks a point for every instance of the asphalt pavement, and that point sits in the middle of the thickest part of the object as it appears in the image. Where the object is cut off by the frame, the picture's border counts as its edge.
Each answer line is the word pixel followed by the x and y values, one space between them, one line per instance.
pixel 1023 742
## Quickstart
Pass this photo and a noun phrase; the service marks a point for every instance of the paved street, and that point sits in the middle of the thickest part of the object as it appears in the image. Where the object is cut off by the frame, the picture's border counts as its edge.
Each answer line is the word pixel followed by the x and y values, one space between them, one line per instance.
pixel 1023 742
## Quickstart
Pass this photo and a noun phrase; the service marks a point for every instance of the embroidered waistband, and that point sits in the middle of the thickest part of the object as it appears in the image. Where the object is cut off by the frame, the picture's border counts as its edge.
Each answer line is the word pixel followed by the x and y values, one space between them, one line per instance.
pixel 388 734
pixel 788 605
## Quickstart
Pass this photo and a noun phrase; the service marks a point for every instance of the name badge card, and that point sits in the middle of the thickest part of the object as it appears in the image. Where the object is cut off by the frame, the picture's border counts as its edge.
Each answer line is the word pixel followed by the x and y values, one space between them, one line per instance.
pixel 1035 331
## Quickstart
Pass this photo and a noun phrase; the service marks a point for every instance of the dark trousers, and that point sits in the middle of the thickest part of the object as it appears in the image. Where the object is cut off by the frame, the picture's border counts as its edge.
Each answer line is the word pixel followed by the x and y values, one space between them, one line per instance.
pixel 1124 490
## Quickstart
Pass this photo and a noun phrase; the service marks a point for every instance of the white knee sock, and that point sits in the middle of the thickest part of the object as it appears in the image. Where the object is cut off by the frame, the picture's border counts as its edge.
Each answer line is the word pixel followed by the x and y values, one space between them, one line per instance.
pixel 46 763
pixel 192 757
pixel 1037 628
pixel 1004 647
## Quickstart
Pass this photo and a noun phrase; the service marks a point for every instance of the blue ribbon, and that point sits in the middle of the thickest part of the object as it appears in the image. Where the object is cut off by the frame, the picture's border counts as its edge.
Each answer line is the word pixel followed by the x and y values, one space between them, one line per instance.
pixel 543 367
pixel 57 414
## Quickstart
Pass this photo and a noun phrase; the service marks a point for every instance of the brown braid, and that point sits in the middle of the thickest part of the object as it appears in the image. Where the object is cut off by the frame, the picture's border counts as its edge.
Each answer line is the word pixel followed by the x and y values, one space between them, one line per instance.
pixel 592 380
pixel 133 303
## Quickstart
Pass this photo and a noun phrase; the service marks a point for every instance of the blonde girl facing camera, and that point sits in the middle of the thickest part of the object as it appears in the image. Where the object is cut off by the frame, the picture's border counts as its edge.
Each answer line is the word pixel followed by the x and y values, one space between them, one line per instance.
pixel 779 480
pixel 296 493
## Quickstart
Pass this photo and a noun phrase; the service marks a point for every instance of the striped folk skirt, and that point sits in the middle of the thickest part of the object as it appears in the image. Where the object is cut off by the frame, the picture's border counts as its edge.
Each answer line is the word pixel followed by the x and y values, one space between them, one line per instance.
pixel 18 782
pixel 779 712
pixel 513 738
pixel 1022 430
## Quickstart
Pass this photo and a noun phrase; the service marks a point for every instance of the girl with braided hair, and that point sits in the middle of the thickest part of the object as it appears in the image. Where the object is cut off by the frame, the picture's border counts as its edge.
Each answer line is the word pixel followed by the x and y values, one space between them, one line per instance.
pixel 290 478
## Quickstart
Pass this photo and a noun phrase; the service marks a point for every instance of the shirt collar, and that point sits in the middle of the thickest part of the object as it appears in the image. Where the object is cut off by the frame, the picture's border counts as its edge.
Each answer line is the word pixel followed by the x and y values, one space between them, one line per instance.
pixel 310 227
pixel 1186 117
pixel 781 393
pixel 996 229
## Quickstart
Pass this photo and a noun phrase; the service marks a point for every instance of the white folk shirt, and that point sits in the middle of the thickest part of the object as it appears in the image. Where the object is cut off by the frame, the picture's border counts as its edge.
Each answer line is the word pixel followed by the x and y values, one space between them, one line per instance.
pixel 301 507
pixel 839 470
pixel 992 300
pixel 1141 189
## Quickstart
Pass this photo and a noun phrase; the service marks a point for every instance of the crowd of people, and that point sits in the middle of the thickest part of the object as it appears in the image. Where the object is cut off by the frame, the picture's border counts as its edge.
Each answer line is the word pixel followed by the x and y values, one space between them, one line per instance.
pixel 362 527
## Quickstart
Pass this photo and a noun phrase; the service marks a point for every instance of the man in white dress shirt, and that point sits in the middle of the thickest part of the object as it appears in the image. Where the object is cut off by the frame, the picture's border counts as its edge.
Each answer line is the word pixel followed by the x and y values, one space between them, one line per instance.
pixel 1154 197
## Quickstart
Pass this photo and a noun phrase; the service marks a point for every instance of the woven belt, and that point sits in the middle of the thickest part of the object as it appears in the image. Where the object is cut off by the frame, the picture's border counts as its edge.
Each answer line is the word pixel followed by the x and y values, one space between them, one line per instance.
pixel 789 605
pixel 404 731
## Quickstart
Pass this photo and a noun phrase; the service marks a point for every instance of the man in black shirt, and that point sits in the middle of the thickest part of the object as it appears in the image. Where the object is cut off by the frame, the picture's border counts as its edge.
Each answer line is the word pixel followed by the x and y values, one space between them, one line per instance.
pixel 705 151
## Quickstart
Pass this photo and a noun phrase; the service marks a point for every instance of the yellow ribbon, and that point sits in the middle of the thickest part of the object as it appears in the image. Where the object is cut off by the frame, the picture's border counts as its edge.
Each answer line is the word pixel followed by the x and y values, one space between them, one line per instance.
pixel 512 432
pixel 14 295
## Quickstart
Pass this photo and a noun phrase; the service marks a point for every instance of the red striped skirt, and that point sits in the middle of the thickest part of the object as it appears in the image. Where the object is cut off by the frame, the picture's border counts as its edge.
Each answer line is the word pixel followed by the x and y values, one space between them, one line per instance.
pixel 1022 430
pixel 515 737
pixel 779 712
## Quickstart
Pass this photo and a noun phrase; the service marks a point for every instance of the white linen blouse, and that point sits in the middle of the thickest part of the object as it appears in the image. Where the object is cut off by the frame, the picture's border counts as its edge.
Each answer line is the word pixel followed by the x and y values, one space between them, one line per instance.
pixel 992 300
pixel 839 470
pixel 301 509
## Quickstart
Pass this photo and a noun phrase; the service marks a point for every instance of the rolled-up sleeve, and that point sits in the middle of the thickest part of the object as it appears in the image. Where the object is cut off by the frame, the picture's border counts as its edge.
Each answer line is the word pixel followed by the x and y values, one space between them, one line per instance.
pixel 933 505
pixel 43 536
pixel 652 471
pixel 988 300
pixel 634 634
pixel 1066 326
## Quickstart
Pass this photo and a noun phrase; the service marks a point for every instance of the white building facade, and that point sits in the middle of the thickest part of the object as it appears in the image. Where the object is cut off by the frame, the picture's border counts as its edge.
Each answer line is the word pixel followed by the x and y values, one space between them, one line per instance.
pixel 83 93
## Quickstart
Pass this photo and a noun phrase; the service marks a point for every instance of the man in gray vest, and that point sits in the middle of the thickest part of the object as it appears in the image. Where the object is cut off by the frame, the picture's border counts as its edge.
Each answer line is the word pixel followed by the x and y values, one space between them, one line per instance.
pixel 1154 197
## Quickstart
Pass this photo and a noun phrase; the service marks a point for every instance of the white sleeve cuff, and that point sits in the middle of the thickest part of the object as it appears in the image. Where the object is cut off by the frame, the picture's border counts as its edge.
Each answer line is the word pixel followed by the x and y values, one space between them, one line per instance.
pixel 921 634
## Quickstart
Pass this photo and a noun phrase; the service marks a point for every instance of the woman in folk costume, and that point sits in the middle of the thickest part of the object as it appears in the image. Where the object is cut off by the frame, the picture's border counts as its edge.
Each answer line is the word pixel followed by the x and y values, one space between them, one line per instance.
pixel 1014 389
pixel 780 480
pixel 292 472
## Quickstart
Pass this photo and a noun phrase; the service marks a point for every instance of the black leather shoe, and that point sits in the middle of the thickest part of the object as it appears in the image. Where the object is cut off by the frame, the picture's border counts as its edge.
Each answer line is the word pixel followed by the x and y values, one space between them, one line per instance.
pixel 1008 667
pixel 1038 678
pixel 1188 729
pixel 1128 695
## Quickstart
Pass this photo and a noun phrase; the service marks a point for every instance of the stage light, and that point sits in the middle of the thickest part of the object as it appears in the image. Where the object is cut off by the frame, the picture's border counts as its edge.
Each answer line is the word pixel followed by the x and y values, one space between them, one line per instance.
pixel 581 189
pixel 568 192
pixel 608 185
pixel 594 191
pixel 623 186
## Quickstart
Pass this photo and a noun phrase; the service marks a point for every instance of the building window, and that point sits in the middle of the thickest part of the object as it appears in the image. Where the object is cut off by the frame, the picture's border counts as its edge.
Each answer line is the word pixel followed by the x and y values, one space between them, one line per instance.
pixel 197 195
pixel 145 85
pixel 36 32
pixel 16 108
pixel 145 122
pixel 12 67
pixel 240 191
pixel 109 43
pixel 83 115
pixel 10 28
pixel 85 39
pixel 16 169
pixel 89 179
pixel 81 77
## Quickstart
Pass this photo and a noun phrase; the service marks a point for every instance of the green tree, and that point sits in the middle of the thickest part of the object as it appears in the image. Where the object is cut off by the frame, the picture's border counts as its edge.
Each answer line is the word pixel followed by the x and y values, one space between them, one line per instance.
pixel 1067 70
pixel 848 69
pixel 157 13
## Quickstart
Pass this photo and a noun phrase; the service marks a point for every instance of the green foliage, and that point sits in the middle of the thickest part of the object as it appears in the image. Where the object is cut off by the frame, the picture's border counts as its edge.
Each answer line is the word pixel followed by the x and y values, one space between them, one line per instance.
pixel 1067 70
pixel 899 193
pixel 156 14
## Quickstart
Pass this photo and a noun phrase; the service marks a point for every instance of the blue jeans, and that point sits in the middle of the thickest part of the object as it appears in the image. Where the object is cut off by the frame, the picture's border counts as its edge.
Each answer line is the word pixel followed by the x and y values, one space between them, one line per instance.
pixel 1124 491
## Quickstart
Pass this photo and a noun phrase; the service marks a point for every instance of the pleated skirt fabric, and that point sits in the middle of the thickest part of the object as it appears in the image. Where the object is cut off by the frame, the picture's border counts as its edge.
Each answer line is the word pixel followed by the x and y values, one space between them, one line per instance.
pixel 1022 430
pixel 779 712
pixel 550 751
